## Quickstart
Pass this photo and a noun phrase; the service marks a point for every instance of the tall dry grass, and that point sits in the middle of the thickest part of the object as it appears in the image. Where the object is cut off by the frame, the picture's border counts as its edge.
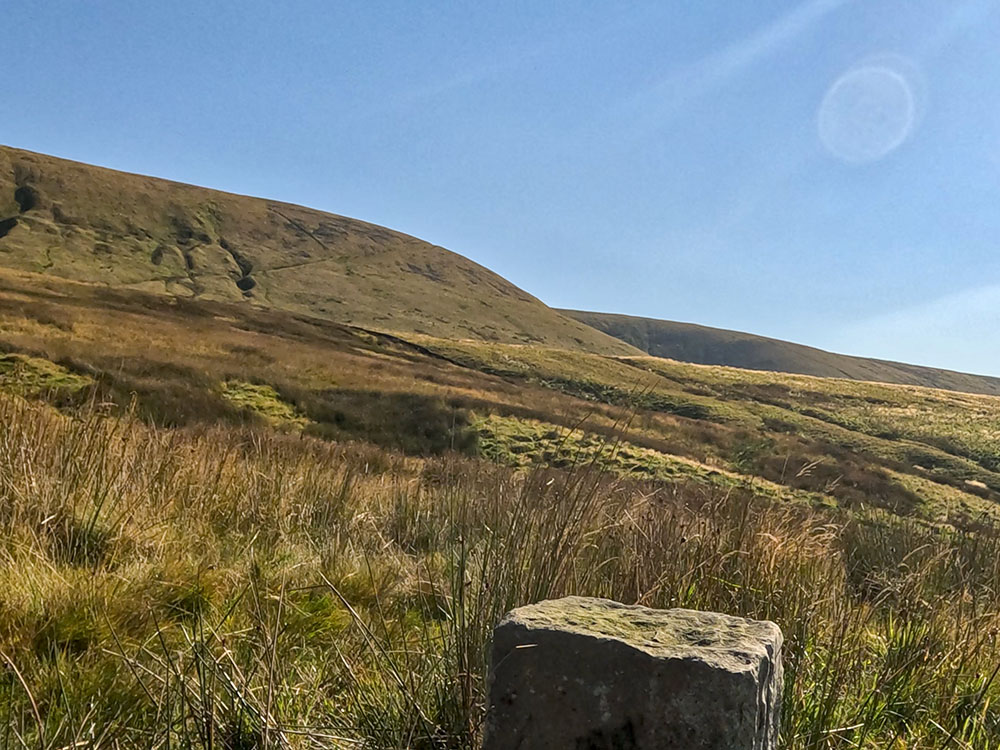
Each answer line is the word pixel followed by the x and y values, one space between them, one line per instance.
pixel 239 588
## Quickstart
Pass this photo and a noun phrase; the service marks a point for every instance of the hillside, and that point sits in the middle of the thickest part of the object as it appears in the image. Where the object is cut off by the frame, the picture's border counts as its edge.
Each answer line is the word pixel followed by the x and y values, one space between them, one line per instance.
pixel 130 232
pixel 912 450
pixel 96 225
pixel 687 342
pixel 273 523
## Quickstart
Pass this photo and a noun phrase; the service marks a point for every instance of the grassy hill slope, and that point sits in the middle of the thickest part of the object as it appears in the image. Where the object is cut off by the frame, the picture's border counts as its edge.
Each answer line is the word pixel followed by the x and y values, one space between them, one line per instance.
pixel 127 231
pixel 228 520
pixel 221 520
pixel 914 451
pixel 688 342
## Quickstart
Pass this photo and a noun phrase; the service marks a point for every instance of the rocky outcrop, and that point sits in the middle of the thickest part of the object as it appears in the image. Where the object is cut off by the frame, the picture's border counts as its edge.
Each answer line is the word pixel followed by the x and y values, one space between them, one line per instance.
pixel 591 674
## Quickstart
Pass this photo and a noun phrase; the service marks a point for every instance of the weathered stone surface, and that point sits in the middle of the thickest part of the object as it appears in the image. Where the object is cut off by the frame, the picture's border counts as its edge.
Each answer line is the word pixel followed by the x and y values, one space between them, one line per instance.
pixel 591 674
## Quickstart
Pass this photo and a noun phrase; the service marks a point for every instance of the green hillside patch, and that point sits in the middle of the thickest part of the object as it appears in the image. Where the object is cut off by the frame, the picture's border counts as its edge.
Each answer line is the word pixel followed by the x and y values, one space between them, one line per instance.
pixel 956 432
pixel 526 443
pixel 945 503
pixel 263 401
pixel 33 377
pixel 847 440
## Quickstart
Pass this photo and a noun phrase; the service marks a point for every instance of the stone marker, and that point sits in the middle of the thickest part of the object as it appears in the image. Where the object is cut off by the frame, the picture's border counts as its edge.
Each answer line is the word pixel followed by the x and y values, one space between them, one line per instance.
pixel 592 674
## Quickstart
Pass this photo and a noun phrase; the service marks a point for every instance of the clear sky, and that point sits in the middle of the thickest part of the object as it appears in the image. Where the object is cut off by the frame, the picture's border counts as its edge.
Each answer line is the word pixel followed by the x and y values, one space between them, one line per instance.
pixel 823 171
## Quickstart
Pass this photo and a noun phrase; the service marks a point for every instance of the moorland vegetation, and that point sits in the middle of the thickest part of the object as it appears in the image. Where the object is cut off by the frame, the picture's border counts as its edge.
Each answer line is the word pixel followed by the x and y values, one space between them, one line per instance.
pixel 238 528
pixel 268 478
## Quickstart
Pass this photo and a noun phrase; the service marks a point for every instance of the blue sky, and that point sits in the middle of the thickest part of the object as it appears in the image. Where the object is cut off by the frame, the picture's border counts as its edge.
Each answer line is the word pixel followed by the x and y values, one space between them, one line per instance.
pixel 823 171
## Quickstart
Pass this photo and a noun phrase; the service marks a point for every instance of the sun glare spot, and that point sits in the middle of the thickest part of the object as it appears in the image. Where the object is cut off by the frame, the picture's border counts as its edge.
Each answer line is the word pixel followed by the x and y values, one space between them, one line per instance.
pixel 867 113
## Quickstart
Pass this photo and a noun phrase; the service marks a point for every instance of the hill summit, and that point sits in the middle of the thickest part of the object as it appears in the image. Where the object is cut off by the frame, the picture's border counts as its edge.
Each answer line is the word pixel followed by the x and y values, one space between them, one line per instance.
pixel 97 225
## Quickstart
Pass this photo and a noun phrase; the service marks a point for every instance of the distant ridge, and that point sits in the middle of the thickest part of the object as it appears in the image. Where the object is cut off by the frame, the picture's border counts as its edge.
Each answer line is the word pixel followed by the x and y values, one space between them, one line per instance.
pixel 96 225
pixel 688 342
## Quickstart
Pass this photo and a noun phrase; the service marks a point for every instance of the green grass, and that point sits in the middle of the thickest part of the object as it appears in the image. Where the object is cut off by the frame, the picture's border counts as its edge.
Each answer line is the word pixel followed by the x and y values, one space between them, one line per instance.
pixel 965 426
pixel 176 574
pixel 34 376
pixel 243 587
pixel 529 443
pixel 262 400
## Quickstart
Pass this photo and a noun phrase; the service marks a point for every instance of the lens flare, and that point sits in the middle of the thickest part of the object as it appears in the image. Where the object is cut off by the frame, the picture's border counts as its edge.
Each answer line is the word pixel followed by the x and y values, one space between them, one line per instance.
pixel 867 113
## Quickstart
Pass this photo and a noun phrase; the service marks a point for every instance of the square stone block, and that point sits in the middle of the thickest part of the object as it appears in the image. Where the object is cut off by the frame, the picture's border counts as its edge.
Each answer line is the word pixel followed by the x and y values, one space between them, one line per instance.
pixel 592 674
